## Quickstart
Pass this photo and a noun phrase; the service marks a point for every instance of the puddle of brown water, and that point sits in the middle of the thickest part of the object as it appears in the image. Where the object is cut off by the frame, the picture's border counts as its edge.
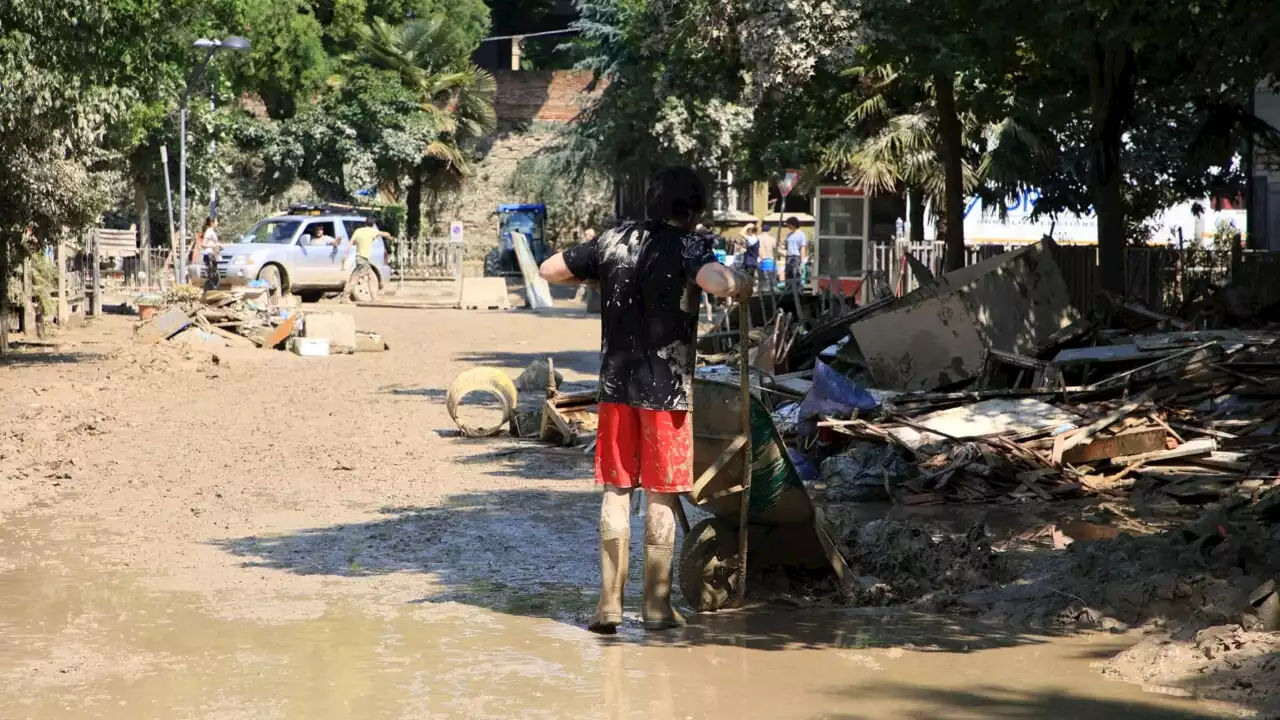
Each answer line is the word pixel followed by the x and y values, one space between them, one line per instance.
pixel 80 643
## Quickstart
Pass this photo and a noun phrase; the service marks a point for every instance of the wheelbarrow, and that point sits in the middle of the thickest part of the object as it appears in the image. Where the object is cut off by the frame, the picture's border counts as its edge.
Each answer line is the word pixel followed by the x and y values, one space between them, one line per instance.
pixel 782 525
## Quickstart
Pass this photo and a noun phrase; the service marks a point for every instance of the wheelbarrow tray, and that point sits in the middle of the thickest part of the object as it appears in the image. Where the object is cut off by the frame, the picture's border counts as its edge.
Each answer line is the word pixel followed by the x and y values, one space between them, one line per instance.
pixel 778 496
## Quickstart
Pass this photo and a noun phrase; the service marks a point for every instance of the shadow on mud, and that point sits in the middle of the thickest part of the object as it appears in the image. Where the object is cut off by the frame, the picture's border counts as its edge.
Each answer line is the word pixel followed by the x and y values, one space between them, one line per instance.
pixel 532 553
pixel 1003 704
pixel 586 362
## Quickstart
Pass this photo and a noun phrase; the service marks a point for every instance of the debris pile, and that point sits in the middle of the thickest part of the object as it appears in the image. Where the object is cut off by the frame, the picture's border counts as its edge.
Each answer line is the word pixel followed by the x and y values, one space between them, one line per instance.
pixel 251 317
pixel 987 385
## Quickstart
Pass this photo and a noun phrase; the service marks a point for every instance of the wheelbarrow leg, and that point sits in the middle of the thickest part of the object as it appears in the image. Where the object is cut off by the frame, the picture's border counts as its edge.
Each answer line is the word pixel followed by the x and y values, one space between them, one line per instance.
pixel 684 519
pixel 844 575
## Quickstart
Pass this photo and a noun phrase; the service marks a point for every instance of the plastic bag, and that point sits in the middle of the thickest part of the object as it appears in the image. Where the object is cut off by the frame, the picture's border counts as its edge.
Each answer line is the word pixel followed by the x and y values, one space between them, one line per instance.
pixel 834 394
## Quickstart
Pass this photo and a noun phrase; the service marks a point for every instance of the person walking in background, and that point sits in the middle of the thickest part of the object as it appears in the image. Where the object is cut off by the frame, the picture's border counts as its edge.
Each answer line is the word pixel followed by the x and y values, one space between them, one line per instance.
pixel 797 246
pixel 362 247
pixel 208 248
pixel 750 250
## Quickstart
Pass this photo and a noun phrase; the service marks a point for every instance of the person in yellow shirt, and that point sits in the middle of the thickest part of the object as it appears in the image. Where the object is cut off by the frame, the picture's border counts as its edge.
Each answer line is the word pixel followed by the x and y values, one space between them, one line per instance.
pixel 362 245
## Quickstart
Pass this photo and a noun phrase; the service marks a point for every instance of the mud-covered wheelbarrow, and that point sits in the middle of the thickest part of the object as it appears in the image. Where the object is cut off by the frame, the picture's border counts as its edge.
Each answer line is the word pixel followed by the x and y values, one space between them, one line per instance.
pixel 782 525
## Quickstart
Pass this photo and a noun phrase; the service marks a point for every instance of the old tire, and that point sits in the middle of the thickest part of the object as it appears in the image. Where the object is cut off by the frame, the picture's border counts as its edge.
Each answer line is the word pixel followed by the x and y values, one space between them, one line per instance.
pixel 487 382
pixel 364 286
pixel 274 279
pixel 493 263
pixel 707 581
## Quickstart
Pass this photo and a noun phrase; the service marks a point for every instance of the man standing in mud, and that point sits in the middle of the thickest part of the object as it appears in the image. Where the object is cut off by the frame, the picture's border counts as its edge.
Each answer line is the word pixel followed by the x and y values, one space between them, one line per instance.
pixel 651 277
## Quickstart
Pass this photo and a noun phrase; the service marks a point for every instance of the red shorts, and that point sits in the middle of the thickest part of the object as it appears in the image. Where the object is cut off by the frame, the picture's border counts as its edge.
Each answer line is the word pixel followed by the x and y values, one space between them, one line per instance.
pixel 652 449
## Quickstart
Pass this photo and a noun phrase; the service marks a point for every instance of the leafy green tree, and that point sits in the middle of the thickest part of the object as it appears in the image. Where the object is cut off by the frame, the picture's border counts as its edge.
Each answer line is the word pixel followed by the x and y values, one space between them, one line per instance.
pixel 287 63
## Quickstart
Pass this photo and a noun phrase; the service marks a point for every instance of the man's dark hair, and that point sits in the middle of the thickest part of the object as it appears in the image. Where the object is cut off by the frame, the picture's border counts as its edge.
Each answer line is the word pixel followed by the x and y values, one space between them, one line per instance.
pixel 793 222
pixel 675 193
pixel 369 222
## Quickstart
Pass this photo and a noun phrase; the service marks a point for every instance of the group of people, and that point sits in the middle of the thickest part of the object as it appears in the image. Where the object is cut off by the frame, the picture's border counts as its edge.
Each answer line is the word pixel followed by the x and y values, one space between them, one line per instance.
pixel 760 256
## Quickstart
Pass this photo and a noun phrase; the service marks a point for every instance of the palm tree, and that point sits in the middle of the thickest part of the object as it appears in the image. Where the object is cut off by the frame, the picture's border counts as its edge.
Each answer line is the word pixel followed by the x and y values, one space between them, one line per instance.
pixel 893 142
pixel 457 95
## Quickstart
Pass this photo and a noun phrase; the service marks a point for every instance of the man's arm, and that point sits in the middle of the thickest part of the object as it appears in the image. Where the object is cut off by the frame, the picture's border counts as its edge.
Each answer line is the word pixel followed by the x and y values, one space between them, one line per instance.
pixel 556 270
pixel 722 281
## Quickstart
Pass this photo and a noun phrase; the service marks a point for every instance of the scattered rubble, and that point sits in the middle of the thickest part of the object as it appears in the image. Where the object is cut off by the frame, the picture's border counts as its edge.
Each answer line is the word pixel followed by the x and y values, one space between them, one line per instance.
pixel 249 317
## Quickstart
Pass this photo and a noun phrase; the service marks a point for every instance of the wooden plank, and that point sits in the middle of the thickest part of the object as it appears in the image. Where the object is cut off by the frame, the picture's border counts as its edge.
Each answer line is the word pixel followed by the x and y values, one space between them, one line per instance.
pixel 1199 446
pixel 1134 442
pixel 1085 434
pixel 163 326
pixel 281 333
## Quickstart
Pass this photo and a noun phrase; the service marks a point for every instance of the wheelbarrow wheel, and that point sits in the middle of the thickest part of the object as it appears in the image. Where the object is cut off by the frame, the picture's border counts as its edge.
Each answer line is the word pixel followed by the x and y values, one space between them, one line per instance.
pixel 706 571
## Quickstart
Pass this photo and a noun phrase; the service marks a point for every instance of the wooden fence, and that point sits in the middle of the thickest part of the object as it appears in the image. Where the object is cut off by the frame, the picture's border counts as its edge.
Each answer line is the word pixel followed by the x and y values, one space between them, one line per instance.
pixel 1165 279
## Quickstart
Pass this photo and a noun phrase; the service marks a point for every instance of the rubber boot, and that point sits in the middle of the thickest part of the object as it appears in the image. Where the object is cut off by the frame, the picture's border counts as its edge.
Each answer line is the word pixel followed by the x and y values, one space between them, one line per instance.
pixel 658 613
pixel 613 583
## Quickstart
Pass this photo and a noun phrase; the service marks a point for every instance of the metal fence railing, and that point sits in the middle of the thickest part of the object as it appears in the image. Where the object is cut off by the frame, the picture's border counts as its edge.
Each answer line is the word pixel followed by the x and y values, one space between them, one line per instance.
pixel 427 259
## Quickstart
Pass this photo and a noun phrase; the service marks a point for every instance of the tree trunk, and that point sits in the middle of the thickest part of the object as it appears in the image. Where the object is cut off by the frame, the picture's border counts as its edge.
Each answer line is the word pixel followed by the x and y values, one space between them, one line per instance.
pixel 953 164
pixel 915 215
pixel 143 208
pixel 413 203
pixel 64 310
pixel 4 295
pixel 28 306
pixel 1111 93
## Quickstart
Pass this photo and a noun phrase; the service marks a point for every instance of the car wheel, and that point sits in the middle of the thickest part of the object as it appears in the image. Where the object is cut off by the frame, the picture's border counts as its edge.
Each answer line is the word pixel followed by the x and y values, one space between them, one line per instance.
pixel 272 277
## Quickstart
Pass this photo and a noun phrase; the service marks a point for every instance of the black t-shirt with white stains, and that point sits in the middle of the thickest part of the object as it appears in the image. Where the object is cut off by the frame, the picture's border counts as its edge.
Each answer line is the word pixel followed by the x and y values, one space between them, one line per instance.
pixel 649 311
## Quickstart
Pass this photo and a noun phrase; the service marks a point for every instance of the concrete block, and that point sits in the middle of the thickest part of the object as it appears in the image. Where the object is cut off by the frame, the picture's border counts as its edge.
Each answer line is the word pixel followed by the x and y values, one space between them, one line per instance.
pixel 338 328
pixel 484 294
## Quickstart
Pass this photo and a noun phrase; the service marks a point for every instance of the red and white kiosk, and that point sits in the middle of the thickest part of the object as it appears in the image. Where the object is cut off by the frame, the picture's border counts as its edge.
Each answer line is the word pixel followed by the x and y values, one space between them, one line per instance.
pixel 841 238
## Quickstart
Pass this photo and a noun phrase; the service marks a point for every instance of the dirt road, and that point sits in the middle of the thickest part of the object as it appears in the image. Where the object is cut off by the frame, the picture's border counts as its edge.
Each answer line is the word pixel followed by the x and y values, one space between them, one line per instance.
pixel 271 537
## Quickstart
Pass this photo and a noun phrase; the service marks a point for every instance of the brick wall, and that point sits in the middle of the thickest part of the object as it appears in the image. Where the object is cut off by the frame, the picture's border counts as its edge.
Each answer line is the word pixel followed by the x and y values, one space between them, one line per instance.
pixel 541 96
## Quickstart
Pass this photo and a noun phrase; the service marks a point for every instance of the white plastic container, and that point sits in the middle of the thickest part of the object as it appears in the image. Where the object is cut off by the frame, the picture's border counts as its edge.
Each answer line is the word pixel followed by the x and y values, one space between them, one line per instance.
pixel 311 347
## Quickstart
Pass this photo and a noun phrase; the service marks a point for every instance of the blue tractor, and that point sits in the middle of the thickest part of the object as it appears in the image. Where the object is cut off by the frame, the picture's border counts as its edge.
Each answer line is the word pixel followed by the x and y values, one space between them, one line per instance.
pixel 529 220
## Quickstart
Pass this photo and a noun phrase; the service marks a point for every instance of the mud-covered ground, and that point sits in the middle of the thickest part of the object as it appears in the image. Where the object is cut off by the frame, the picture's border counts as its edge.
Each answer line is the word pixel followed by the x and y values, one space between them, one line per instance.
pixel 255 535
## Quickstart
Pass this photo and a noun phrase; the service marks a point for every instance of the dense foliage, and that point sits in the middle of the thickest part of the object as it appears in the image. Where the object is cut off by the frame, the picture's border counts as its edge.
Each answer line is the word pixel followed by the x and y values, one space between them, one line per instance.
pixel 1125 108
pixel 319 108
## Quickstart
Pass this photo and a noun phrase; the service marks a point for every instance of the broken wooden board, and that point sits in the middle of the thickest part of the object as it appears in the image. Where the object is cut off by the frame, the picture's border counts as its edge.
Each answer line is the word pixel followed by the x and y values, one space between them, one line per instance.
pixel 1199 446
pixel 1018 299
pixel 1134 442
pixel 281 333
pixel 923 346
pixel 163 326
pixel 998 416
pixel 1108 353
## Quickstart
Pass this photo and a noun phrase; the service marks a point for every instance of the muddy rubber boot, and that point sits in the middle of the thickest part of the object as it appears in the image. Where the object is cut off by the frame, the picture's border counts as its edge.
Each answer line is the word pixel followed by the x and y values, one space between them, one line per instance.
pixel 613 583
pixel 658 613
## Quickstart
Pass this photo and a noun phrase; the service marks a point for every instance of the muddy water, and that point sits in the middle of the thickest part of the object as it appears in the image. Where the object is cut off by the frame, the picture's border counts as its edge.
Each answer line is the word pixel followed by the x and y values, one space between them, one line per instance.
pixel 77 641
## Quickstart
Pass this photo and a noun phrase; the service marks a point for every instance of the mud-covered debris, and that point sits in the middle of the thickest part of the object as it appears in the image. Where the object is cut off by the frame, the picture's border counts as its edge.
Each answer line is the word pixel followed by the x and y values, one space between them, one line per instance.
pixel 1226 663
pixel 864 472
pixel 900 562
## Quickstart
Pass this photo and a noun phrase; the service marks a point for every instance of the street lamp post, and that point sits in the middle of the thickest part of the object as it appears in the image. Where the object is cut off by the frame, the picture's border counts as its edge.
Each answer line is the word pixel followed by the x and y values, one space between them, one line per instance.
pixel 237 44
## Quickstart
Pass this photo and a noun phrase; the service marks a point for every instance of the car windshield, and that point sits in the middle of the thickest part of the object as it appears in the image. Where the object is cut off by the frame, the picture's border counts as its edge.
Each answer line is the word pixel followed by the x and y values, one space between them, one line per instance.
pixel 272 232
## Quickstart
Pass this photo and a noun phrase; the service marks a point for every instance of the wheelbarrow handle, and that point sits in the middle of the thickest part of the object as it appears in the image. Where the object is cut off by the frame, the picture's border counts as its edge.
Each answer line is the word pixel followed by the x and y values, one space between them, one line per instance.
pixel 744 380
